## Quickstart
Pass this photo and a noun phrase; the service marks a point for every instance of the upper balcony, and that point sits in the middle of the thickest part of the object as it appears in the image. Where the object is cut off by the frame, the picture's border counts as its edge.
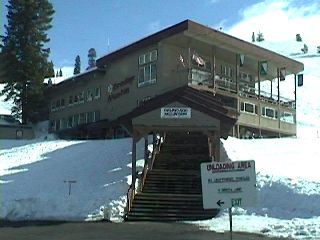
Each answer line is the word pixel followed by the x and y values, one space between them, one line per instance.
pixel 244 86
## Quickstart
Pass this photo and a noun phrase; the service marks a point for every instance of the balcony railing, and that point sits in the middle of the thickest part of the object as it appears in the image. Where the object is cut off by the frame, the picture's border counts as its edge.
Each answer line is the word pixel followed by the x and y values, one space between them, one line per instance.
pixel 246 89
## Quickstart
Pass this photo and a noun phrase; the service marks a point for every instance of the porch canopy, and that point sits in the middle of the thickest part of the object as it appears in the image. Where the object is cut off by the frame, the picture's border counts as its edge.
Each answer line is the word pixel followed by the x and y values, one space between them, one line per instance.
pixel 182 109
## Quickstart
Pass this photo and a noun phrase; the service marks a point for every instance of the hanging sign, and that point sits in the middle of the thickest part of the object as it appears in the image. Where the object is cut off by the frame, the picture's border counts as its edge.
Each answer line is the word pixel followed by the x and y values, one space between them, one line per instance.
pixel 263 68
pixel 300 80
pixel 176 112
pixel 282 73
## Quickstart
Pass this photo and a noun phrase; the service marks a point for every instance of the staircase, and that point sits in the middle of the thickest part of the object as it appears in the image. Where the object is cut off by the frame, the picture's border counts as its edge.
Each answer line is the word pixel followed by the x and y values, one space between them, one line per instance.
pixel 172 190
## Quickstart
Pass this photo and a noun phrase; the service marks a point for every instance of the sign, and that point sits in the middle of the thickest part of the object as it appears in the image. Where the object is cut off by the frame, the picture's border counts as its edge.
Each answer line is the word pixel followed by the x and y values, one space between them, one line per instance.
pixel 117 90
pixel 176 112
pixel 228 184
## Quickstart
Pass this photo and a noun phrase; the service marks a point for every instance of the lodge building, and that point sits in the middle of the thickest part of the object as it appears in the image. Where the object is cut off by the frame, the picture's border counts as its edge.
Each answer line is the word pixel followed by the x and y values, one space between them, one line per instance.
pixel 185 75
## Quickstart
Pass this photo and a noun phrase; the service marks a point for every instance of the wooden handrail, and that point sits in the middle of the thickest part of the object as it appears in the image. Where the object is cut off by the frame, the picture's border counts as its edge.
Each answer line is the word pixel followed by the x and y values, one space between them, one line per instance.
pixel 147 166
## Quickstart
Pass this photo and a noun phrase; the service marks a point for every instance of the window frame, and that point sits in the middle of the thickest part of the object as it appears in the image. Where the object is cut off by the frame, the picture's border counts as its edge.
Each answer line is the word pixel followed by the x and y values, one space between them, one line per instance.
pixel 244 109
pixel 266 110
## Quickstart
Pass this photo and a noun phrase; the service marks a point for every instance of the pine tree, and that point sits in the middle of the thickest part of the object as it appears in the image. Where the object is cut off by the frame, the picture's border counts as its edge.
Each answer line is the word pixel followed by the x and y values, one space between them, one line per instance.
pixel 298 38
pixel 50 72
pixel 57 73
pixel 253 38
pixel 60 73
pixel 260 37
pixel 305 48
pixel 77 65
pixel 25 57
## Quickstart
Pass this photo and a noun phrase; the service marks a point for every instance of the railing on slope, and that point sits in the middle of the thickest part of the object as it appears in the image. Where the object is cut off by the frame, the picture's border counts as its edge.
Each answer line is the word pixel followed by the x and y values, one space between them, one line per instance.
pixel 147 166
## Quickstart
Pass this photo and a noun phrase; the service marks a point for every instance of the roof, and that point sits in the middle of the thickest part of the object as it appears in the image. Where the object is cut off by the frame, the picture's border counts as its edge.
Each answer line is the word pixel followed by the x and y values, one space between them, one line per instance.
pixel 214 36
pixel 80 78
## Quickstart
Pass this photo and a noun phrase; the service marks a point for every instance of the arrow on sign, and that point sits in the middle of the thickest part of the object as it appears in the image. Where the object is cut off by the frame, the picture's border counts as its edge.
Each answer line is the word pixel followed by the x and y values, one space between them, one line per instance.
pixel 220 203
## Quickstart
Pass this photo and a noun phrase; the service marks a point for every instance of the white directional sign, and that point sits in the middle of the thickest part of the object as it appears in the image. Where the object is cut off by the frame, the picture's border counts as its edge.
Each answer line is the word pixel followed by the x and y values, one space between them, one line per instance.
pixel 228 184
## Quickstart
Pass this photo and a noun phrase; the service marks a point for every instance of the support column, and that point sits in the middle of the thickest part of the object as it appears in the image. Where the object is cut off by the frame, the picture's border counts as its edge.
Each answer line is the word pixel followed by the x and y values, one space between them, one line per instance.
pixel 154 141
pixel 279 113
pixel 134 162
pixel 259 96
pixel 146 152
pixel 210 144
pixel 217 147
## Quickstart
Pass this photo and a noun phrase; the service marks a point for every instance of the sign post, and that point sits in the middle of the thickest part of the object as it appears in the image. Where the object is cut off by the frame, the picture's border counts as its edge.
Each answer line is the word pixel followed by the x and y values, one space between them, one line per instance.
pixel 227 185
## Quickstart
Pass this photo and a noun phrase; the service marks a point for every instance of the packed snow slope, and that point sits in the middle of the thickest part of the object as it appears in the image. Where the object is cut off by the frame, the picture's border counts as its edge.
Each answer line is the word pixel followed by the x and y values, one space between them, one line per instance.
pixel 65 180
pixel 288 185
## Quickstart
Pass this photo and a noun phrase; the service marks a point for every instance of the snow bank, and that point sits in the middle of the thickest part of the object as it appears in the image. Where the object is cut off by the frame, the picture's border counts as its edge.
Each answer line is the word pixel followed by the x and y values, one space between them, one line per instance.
pixel 35 178
pixel 288 188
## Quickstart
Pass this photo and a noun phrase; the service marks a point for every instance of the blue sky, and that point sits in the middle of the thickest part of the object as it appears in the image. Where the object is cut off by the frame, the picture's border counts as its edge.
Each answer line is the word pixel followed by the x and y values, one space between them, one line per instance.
pixel 81 24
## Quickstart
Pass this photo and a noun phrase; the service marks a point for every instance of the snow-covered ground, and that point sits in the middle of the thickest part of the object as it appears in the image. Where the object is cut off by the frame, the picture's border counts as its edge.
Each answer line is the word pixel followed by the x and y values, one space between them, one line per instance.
pixel 288 184
pixel 35 175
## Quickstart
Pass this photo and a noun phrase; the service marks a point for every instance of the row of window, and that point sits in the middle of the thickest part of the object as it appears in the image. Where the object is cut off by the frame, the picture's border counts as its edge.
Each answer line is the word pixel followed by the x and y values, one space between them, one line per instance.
pixel 266 112
pixel 88 96
pixel 75 120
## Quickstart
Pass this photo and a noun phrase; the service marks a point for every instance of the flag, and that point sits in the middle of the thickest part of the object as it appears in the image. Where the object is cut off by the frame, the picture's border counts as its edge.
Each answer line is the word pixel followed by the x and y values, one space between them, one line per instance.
pixel 181 60
pixel 300 80
pixel 264 68
pixel 198 60
pixel 282 74
pixel 241 58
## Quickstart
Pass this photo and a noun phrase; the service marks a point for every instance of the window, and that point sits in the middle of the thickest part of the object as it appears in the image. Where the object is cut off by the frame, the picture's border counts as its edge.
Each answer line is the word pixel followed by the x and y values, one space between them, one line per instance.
pixel 58 124
pixel 89 95
pixel 58 104
pixel 63 123
pixel 147 75
pixel 76 120
pixel 97 93
pixel 287 117
pixel 82 118
pixel 81 97
pixel 53 106
pixel 96 116
pixel 248 108
pixel 70 122
pixel 75 99
pixel 89 117
pixel 148 57
pixel 269 112
pixel 62 103
pixel 53 125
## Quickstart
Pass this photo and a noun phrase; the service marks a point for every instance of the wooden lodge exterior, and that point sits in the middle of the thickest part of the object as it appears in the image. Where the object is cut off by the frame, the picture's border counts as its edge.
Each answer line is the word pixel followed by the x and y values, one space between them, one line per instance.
pixel 216 76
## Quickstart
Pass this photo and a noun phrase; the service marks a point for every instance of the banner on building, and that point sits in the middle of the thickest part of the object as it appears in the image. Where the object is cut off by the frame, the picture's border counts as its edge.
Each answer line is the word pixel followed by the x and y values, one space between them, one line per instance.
pixel 300 80
pixel 241 59
pixel 263 68
pixel 282 74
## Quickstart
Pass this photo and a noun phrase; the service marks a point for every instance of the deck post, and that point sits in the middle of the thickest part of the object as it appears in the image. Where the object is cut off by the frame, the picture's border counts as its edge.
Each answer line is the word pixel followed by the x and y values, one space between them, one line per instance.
pixel 217 146
pixel 134 162
pixel 146 152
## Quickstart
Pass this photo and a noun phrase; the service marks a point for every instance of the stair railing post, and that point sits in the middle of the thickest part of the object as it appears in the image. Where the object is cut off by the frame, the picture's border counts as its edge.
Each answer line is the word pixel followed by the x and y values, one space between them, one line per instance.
pixel 134 161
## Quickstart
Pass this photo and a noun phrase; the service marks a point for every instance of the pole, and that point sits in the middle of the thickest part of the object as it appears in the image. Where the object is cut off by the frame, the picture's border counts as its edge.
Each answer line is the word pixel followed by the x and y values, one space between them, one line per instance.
pixel 230 220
